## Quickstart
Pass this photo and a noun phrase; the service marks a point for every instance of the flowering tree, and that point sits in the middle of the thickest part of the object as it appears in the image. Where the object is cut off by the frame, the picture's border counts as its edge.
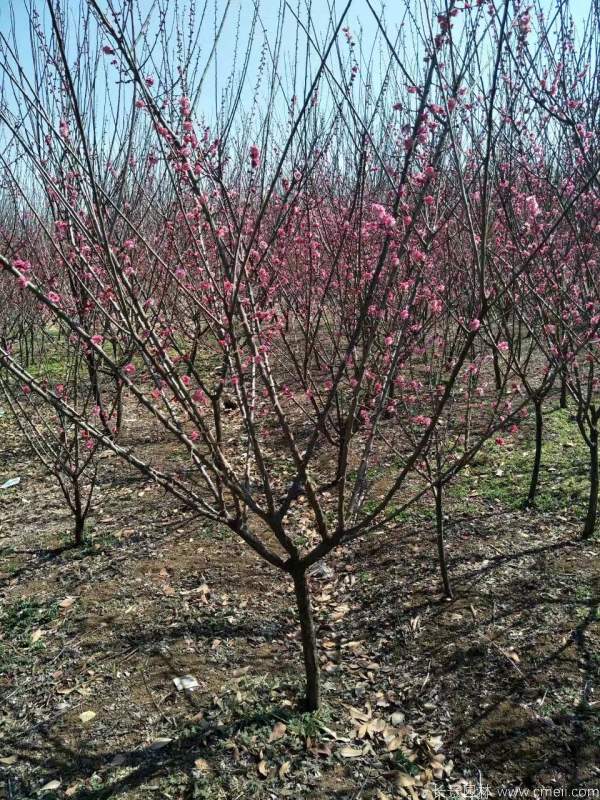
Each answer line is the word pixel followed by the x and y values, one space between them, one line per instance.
pixel 63 447
pixel 300 290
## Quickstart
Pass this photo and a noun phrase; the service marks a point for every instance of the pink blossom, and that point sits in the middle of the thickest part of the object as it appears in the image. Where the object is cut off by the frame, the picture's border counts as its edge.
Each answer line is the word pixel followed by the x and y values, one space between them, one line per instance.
pixel 254 156
pixel 422 421
pixel 503 346
pixel 129 369
pixel 97 339
pixel 54 297
pixel 474 325
pixel 531 204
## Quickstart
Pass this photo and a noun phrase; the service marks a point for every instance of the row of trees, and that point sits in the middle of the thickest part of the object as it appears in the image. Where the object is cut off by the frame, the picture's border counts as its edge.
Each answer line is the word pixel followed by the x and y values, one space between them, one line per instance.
pixel 331 290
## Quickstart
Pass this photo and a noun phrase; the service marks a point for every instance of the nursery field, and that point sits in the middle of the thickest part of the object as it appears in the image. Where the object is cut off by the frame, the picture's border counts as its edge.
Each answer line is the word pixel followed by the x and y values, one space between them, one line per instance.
pixel 422 697
pixel 299 399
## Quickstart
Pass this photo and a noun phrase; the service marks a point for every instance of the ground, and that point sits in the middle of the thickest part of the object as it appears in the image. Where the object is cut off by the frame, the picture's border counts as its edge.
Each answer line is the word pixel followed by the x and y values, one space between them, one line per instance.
pixel 422 697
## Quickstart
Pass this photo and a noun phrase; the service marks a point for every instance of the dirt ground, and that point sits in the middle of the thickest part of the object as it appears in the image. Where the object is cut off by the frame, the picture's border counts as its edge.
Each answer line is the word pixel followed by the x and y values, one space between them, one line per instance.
pixel 422 697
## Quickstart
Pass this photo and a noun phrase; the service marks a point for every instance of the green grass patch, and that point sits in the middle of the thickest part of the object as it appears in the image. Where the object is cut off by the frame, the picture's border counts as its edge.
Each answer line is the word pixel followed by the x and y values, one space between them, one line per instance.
pixel 501 475
pixel 19 619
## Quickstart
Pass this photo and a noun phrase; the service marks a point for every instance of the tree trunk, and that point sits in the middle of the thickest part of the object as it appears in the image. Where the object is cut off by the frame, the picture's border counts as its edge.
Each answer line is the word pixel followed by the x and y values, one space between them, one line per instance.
pixel 78 531
pixel 537 460
pixel 497 372
pixel 563 389
pixel 78 514
pixel 439 523
pixel 309 641
pixel 590 520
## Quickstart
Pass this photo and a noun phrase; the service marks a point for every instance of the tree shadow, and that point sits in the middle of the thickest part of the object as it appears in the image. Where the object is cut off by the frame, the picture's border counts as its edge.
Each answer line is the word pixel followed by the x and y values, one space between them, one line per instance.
pixel 145 763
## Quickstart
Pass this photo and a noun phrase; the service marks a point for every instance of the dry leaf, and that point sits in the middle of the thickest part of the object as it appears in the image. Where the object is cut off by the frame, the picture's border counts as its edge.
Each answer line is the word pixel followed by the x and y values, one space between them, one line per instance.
pixel 158 744
pixel 356 713
pixel 320 749
pixel 351 752
pixel 278 731
pixel 263 768
pixel 202 764
pixel 87 716
pixel 67 602
pixel 36 635
pixel 395 743
pixel 8 760
pixel 185 682
pixel 284 769
pixel 50 786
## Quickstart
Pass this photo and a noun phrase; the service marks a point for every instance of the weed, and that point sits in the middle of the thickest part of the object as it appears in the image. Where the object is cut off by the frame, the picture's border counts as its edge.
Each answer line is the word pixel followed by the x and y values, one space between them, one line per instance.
pixel 18 620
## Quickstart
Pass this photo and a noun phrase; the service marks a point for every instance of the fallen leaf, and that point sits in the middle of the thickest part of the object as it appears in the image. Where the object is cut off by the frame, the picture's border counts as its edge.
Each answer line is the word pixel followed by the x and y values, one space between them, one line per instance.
pixel 263 768
pixel 395 743
pixel 10 483
pixel 8 760
pixel 185 682
pixel 202 764
pixel 158 744
pixel 320 749
pixel 67 602
pixel 356 713
pixel 87 716
pixel 36 635
pixel 278 731
pixel 50 786
pixel 351 752
pixel 284 769
pixel 404 780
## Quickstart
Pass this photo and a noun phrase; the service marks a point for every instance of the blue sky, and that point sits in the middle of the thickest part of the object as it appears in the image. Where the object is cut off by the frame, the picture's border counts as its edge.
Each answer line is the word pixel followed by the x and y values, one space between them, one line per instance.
pixel 360 19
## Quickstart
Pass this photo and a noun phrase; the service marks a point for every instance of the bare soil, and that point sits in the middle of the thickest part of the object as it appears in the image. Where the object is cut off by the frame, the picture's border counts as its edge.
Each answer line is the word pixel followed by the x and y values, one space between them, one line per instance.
pixel 423 697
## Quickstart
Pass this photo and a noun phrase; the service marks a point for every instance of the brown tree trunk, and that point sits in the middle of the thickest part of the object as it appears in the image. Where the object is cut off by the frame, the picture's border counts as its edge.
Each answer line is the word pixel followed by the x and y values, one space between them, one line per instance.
pixel 537 459
pixel 309 641
pixel 439 523
pixel 563 389
pixel 592 512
